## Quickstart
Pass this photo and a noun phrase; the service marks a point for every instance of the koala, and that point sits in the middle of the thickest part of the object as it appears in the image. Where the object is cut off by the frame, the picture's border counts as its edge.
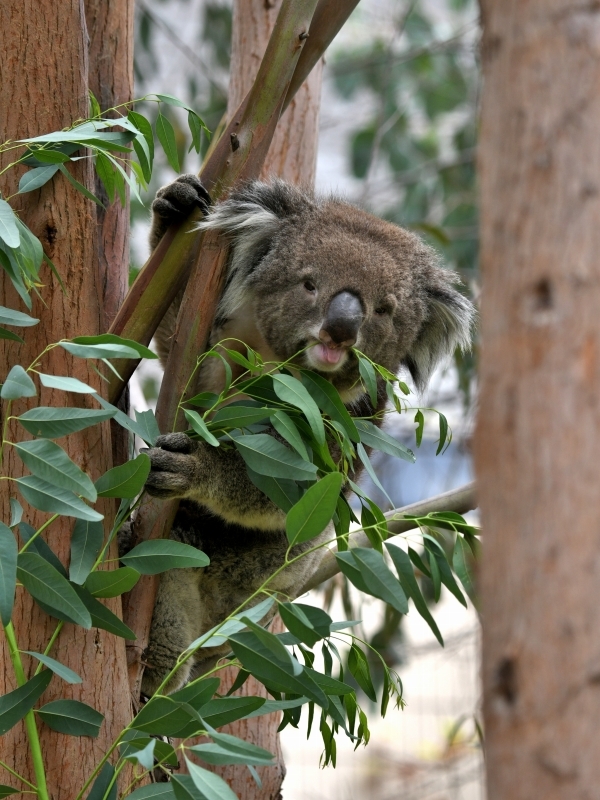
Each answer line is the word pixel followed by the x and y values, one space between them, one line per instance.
pixel 306 274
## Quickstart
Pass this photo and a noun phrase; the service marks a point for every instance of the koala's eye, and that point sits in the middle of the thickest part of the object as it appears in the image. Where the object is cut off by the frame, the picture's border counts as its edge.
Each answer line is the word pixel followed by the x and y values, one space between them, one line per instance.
pixel 381 310
pixel 310 287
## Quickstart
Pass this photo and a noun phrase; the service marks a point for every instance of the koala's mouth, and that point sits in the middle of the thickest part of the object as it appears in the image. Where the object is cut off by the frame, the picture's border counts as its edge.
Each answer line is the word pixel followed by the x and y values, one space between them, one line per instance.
pixel 326 359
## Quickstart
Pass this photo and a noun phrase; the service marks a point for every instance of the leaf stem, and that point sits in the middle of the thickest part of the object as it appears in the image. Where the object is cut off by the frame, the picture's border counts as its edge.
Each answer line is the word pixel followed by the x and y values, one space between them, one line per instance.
pixel 16 774
pixel 32 732
pixel 39 530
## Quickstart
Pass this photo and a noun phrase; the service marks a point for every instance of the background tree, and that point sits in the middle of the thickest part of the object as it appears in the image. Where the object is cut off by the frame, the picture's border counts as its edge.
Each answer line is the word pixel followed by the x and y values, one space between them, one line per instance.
pixel 538 428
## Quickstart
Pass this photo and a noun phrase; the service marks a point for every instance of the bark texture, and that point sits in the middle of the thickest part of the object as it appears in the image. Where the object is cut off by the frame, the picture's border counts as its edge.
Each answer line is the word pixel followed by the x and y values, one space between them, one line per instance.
pixel 44 88
pixel 538 433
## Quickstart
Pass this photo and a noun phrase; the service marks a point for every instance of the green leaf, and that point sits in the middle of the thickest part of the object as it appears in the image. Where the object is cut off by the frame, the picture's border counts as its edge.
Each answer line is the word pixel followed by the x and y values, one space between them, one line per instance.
pixel 359 668
pixel 291 391
pixel 99 350
pixel 223 710
pixel 166 136
pixel 17 384
pixel 8 572
pixel 445 572
pixel 315 509
pixel 200 427
pixel 124 421
pixel 144 127
pixel 374 437
pixel 266 456
pixel 16 512
pixel 227 749
pixel 79 186
pixel 195 126
pixel 211 786
pixel 53 423
pixel 112 583
pixel 216 636
pixel 6 791
pixel 105 339
pixel 348 567
pixel 125 481
pixel 59 669
pixel 184 788
pixel 106 173
pixel 37 177
pixel 198 693
pixel 327 398
pixel 47 585
pixel 234 416
pixel 148 426
pixel 144 167
pixel 443 422
pixel 133 742
pixel 411 587
pixel 8 316
pixel 286 428
pixel 297 621
pixel 54 499
pixel 379 579
pixel 101 616
pixel 164 717
pixel 9 232
pixel 284 493
pixel 155 791
pixel 50 463
pixel 66 384
pixel 204 399
pixel 101 784
pixel 461 557
pixel 37 545
pixel 369 377
pixel 420 421
pixel 86 543
pixel 362 454
pixel 4 334
pixel 15 704
pixel 72 717
pixel 159 555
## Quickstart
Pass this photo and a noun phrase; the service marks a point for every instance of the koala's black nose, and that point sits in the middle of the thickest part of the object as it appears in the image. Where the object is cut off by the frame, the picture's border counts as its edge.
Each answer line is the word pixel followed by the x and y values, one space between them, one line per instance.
pixel 342 320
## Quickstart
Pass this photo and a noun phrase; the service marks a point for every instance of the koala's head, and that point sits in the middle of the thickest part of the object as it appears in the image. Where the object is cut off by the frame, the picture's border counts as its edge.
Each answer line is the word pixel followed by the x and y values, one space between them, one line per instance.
pixel 324 275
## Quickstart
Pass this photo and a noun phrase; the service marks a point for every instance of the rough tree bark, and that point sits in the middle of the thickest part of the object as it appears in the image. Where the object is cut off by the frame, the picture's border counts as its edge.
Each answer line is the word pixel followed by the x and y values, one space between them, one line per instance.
pixel 538 434
pixel 65 222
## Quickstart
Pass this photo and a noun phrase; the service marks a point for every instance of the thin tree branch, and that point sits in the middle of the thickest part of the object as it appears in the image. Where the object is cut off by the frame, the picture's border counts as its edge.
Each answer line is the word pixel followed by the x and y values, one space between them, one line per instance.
pixel 458 500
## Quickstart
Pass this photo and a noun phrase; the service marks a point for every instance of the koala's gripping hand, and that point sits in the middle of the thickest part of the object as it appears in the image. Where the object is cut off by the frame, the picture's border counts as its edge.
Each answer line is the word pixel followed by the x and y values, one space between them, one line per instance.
pixel 174 202
pixel 214 476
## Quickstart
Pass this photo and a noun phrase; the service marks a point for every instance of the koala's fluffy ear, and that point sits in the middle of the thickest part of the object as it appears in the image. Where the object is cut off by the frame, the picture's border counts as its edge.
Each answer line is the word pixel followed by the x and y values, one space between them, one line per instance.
pixel 252 219
pixel 447 326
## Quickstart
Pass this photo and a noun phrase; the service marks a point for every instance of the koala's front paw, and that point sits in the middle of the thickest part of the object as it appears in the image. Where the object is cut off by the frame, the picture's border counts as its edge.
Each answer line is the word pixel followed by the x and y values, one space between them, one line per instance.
pixel 174 467
pixel 175 201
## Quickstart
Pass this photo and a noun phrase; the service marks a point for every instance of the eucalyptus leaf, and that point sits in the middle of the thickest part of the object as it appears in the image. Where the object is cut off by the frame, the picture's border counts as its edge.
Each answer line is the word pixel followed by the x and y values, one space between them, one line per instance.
pixel 223 710
pixel 46 584
pixel 283 492
pixel 125 481
pixel 72 717
pixel 159 555
pixel 59 669
pixel 66 384
pixel 16 512
pixel 100 350
pixel 286 428
pixel 54 499
pixel 8 316
pixel 165 717
pixel 9 232
pixel 37 177
pixel 8 572
pixel 53 423
pixel 374 437
pixel 379 579
pixel 17 384
pixel 13 337
pixel 15 704
pixel 103 617
pixel 166 136
pixel 315 509
pixel 106 339
pixel 211 786
pixel 266 456
pixel 111 583
pixel 292 391
pixel 154 791
pixel 327 398
pixel 200 427
pixel 101 784
pixel 86 542
pixel 50 463
pixel 146 421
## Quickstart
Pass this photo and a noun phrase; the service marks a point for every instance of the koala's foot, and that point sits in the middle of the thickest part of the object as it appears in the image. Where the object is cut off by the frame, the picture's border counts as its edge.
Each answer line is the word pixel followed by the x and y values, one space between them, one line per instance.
pixel 174 467
pixel 175 201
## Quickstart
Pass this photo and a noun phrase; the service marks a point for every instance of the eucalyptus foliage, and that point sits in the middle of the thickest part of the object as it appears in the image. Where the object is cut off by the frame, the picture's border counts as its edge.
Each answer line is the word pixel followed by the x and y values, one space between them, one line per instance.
pixel 301 448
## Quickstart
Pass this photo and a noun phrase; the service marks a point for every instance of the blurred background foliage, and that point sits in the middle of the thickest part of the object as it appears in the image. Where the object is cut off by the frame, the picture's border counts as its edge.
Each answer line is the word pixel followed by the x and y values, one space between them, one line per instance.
pixel 398 137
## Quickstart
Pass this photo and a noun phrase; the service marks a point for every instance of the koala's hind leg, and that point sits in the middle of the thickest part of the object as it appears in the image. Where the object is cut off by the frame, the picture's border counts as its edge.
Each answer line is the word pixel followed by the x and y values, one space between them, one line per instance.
pixel 177 621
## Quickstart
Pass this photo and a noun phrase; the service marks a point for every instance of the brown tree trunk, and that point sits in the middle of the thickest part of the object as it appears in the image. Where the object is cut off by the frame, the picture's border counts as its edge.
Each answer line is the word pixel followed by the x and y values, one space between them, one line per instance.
pixel 538 434
pixel 44 88
pixel 292 156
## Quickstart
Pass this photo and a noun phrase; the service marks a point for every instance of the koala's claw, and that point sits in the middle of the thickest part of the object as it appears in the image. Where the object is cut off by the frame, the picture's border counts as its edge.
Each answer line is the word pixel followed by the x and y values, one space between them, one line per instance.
pixel 175 201
pixel 173 467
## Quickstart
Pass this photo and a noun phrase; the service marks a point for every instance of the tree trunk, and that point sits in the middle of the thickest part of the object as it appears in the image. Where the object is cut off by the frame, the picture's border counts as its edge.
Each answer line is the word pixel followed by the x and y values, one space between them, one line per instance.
pixel 292 156
pixel 44 88
pixel 538 433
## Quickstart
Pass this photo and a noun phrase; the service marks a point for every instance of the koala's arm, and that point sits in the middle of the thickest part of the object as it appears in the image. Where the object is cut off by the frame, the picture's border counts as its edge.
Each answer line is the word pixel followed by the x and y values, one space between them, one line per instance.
pixel 173 203
pixel 215 477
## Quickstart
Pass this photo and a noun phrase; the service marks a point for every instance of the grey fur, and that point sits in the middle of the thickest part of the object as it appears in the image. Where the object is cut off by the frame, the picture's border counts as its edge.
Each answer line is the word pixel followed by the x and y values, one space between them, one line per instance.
pixel 291 254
